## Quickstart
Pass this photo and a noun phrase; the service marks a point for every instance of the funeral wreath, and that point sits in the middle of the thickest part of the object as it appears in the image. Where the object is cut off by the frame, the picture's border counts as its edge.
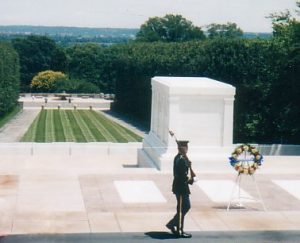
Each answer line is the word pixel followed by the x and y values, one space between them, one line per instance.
pixel 242 165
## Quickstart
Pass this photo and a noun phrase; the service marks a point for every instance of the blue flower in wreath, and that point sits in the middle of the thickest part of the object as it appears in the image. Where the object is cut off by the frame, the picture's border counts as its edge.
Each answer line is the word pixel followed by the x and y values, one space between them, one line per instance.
pixel 232 161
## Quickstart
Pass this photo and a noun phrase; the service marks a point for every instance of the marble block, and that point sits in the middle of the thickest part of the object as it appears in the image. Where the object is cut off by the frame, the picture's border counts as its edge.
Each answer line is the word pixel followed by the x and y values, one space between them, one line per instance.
pixel 197 109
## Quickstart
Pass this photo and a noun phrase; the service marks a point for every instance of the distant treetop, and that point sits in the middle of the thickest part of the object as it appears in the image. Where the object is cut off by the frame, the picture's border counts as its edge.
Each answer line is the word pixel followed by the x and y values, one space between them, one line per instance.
pixel 170 28
pixel 229 30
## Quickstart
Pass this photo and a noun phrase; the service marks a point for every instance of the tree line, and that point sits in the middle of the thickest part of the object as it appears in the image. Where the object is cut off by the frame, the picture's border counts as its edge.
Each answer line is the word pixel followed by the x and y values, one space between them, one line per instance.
pixel 9 78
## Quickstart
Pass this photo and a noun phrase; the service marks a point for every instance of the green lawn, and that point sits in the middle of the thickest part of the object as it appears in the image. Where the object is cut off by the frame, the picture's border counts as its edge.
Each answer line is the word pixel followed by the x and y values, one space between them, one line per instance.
pixel 77 126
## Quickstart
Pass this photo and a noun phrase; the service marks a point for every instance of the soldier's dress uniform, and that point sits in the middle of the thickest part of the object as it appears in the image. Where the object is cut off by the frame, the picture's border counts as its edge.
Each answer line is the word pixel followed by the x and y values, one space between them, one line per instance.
pixel 181 189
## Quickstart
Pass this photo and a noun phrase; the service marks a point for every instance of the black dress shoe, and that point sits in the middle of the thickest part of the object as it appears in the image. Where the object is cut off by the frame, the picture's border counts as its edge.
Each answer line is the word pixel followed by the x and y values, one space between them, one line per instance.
pixel 185 235
pixel 172 228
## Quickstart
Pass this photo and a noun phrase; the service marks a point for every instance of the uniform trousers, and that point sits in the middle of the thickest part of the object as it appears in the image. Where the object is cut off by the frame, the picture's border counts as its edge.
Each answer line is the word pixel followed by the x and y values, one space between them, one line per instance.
pixel 183 206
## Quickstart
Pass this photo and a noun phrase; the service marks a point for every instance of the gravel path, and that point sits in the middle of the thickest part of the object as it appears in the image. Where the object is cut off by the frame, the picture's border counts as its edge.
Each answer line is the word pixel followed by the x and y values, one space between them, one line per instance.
pixel 16 127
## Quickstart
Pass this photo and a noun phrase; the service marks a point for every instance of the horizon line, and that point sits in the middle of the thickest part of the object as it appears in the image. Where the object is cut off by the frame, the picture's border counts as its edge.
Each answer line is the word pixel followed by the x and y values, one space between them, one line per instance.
pixel 65 26
pixel 86 27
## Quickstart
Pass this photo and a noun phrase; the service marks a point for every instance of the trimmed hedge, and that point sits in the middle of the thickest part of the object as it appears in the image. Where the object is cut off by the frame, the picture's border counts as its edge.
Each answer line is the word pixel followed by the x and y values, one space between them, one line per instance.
pixel 254 67
pixel 9 78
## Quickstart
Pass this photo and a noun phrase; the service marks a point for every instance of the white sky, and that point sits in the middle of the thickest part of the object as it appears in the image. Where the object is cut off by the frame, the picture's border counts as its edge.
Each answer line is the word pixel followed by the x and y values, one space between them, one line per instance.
pixel 248 14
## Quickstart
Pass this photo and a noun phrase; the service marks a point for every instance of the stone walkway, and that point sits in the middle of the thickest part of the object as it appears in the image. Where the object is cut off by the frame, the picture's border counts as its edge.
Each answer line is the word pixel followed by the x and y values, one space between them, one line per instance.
pixel 14 130
pixel 68 194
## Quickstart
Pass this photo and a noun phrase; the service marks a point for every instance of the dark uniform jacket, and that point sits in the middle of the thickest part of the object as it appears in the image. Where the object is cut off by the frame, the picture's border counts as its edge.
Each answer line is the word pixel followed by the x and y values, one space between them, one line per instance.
pixel 180 172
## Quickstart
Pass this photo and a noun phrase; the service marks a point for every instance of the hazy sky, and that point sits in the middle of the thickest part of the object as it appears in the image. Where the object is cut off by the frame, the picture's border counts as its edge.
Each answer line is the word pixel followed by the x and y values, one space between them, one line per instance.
pixel 248 14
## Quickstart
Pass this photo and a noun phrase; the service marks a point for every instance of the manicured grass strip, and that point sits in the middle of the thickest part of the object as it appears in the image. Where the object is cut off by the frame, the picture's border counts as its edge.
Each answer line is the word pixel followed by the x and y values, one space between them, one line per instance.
pixel 30 134
pixel 67 127
pixel 78 134
pixel 122 134
pixel 136 138
pixel 50 133
pixel 41 128
pixel 112 128
pixel 104 130
pixel 59 130
pixel 108 125
pixel 130 136
pixel 92 124
pixel 84 127
pixel 115 129
pixel 7 117
pixel 76 126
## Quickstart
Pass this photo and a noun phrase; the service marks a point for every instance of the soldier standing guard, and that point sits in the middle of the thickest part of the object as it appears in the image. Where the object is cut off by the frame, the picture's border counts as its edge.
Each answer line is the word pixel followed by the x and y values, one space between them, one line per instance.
pixel 181 189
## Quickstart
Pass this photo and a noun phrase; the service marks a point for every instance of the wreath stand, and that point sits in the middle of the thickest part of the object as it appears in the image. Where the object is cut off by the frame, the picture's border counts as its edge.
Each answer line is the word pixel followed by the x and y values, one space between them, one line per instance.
pixel 245 162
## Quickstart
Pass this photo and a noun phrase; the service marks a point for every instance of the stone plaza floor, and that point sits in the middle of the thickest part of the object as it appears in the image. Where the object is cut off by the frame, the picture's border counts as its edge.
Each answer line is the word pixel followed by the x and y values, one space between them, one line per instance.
pixel 64 194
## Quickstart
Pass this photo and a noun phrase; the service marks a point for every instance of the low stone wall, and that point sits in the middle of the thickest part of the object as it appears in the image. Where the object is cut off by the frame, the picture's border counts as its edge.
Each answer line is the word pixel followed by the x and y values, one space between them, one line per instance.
pixel 70 149
pixel 279 149
pixel 51 102
pixel 122 148
pixel 85 95
pixel 105 105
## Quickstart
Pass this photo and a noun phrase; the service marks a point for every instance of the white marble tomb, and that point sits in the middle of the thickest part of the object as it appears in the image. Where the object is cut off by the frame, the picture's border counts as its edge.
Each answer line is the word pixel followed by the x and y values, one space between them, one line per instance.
pixel 197 109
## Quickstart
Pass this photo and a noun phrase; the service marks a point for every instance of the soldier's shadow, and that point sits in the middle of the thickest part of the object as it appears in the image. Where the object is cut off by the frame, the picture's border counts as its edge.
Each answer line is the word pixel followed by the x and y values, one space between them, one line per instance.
pixel 160 235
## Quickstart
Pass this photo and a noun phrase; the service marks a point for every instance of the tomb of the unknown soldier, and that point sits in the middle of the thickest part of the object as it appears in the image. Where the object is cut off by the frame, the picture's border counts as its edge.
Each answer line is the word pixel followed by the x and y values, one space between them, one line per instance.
pixel 195 108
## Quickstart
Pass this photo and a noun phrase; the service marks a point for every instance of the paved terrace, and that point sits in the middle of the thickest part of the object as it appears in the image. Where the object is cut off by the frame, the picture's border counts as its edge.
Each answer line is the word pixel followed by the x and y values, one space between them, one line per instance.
pixel 82 194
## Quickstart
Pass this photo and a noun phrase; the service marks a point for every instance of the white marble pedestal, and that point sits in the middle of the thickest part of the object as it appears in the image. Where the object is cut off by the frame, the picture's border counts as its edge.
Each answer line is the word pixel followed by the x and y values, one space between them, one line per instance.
pixel 196 109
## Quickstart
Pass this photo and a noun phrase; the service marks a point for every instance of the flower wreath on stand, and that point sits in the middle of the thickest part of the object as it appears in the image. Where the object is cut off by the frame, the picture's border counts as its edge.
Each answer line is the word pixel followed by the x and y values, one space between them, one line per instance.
pixel 246 166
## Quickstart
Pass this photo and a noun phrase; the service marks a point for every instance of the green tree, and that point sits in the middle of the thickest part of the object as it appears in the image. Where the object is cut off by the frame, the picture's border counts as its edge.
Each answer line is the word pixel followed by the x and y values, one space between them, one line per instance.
pixel 285 27
pixel 38 53
pixel 170 28
pixel 229 30
pixel 9 78
pixel 94 64
pixel 286 89
pixel 46 81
